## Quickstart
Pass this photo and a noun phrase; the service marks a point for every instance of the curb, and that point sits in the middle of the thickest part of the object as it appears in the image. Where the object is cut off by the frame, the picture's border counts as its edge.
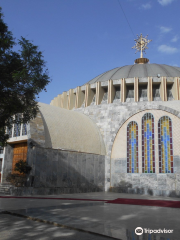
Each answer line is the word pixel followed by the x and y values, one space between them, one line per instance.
pixel 56 224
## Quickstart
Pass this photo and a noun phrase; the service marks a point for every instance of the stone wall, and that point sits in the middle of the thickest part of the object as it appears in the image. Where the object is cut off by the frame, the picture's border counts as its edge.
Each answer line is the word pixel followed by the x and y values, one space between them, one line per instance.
pixel 35 131
pixel 54 170
pixel 152 183
pixel 110 118
pixel 65 171
pixel 8 156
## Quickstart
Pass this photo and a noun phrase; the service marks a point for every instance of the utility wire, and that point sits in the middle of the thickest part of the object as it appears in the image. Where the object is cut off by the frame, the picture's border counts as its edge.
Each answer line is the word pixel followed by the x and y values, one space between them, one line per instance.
pixel 126 18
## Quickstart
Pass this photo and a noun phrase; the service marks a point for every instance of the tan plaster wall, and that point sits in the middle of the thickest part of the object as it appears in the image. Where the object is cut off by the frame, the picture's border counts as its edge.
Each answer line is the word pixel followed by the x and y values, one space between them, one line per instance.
pixel 70 130
pixel 120 143
pixel 36 133
pixel 71 100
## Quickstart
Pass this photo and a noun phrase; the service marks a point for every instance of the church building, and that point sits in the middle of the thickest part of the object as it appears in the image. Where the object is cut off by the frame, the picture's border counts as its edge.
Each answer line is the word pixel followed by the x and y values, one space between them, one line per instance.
pixel 118 132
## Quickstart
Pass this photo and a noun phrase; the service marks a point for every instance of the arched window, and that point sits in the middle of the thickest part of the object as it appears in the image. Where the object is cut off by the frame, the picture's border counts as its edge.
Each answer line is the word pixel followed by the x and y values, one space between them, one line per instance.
pixel 132 148
pixel 17 130
pixel 24 129
pixel 148 153
pixel 165 145
pixel 17 126
pixel 9 130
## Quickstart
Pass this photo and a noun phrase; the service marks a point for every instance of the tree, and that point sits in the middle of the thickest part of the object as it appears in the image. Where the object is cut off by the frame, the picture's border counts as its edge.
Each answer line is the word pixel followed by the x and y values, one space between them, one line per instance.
pixel 22 78
pixel 22 167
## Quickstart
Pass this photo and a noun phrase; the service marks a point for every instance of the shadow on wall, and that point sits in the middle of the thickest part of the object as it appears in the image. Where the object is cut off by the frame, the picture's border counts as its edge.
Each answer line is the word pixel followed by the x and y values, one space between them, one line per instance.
pixel 48 141
pixel 56 171
pixel 127 187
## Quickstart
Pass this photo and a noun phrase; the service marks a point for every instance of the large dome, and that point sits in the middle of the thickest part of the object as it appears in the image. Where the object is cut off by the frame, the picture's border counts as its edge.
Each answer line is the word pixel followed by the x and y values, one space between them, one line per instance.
pixel 138 70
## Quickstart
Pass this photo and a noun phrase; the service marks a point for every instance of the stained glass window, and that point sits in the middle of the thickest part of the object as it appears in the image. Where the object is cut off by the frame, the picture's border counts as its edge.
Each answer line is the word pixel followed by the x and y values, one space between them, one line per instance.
pixel 17 126
pixel 148 151
pixel 24 129
pixel 9 129
pixel 9 132
pixel 165 145
pixel 17 129
pixel 132 148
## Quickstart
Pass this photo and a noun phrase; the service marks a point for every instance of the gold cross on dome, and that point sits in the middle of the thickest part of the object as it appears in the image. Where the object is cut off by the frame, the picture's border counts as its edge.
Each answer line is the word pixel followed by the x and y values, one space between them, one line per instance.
pixel 141 44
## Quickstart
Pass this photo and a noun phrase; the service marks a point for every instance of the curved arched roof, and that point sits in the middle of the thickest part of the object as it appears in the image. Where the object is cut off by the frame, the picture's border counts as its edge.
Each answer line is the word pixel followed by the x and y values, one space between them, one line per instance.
pixel 70 130
pixel 138 70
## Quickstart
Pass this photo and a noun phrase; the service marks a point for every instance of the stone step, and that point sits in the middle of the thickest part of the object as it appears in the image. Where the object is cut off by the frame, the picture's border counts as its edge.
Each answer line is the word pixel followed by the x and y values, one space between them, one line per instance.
pixel 5 193
pixel 5 189
pixel 5 184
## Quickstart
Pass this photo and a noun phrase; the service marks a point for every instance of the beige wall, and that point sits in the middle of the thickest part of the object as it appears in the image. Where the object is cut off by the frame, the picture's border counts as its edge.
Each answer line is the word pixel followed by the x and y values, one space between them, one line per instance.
pixel 99 93
pixel 69 130
pixel 120 143
pixel 149 89
pixel 89 94
pixel 76 97
pixel 111 91
pixel 71 99
pixel 80 96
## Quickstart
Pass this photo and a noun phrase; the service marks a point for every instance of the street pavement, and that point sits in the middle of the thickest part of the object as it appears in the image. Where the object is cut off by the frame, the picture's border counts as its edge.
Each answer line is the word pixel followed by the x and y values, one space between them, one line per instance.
pixel 33 218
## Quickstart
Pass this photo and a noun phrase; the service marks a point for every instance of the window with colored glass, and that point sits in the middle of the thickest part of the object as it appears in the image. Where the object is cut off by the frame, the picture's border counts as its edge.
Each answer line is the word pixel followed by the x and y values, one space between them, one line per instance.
pixel 148 150
pixel 165 145
pixel 132 148
pixel 17 126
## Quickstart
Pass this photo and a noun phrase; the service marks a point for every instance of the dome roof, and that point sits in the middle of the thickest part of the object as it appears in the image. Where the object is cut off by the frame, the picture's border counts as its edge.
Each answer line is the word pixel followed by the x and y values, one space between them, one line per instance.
pixel 138 70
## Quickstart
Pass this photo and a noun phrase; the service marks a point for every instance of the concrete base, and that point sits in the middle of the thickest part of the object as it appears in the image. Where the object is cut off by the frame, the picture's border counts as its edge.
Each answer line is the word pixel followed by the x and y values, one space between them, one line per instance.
pixel 25 191
pixel 145 191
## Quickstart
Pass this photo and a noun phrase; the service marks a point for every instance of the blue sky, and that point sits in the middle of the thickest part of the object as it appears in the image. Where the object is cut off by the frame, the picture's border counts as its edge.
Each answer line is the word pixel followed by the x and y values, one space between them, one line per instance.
pixel 81 39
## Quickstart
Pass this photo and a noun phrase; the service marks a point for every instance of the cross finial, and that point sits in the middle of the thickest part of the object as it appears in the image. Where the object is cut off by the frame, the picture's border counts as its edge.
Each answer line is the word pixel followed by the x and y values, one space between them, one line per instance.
pixel 141 44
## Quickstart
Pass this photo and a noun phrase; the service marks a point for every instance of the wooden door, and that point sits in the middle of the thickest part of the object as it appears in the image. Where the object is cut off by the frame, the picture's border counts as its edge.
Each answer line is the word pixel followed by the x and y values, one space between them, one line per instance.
pixel 20 153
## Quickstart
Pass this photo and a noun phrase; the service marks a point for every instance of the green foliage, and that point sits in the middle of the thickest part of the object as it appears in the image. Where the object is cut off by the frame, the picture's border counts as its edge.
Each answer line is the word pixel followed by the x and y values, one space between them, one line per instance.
pixel 22 78
pixel 16 179
pixel 22 167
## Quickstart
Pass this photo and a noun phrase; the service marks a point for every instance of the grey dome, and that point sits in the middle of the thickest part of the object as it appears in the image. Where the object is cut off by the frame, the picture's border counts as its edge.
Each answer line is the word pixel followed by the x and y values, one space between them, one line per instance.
pixel 138 70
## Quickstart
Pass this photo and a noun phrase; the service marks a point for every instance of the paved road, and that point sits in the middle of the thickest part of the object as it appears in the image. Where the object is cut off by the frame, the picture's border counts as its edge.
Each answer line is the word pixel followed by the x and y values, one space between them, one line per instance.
pixel 113 220
pixel 16 228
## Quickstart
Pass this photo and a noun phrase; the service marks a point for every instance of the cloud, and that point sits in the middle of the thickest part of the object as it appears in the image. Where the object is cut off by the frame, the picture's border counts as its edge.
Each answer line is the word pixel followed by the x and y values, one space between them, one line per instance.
pixel 167 49
pixel 146 6
pixel 174 39
pixel 165 2
pixel 165 29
